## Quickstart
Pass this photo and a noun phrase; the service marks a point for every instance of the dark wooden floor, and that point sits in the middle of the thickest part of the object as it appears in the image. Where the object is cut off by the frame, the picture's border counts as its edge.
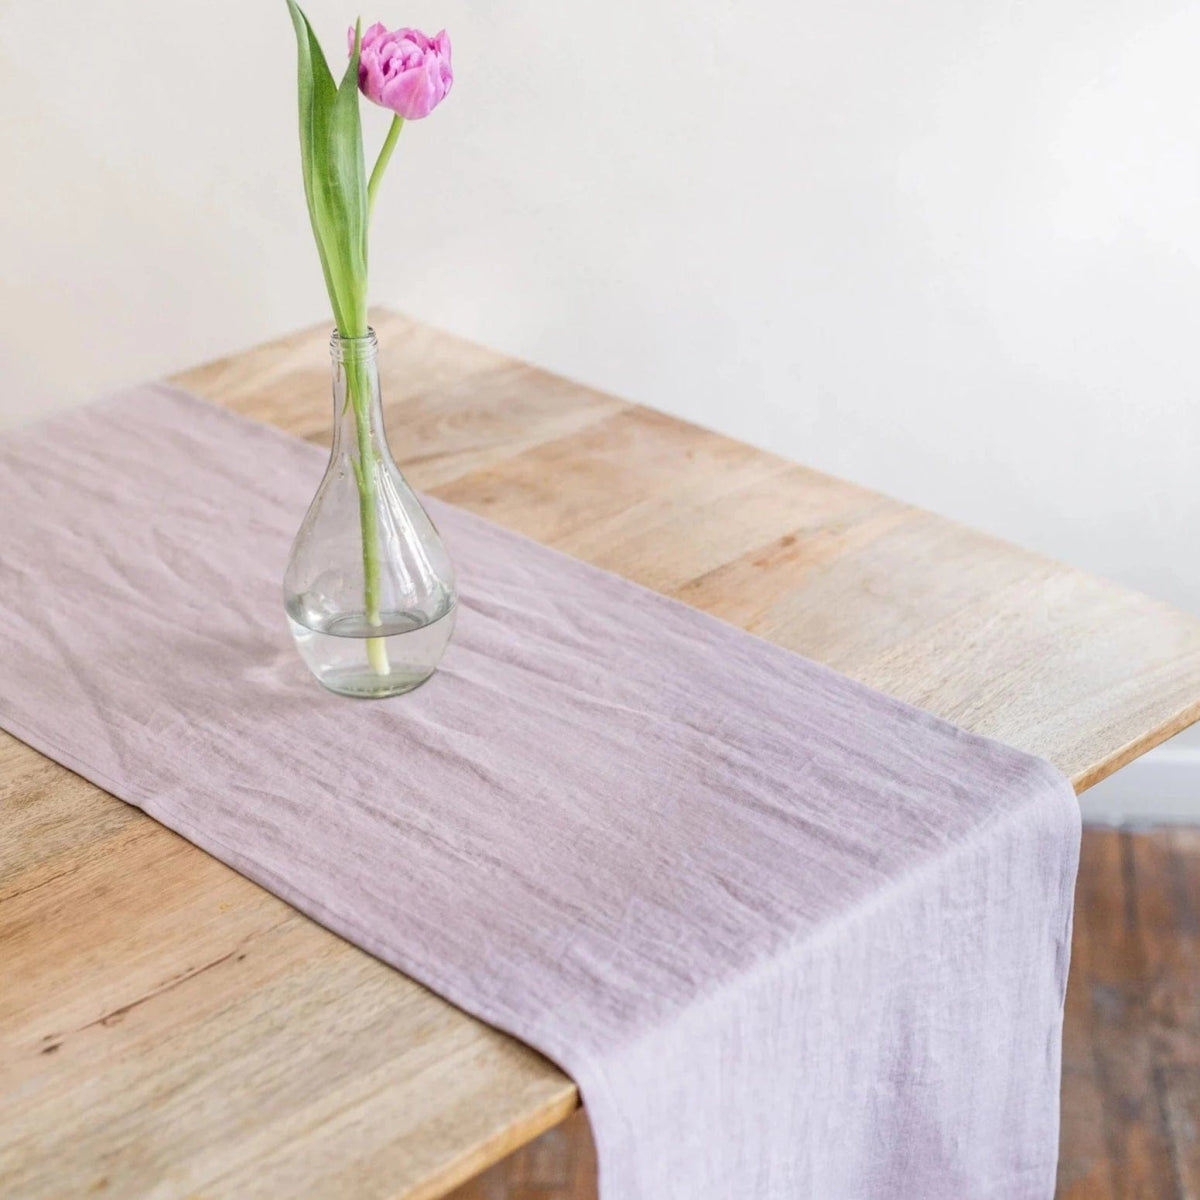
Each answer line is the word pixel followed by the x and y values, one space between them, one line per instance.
pixel 1131 1048
pixel 1131 1053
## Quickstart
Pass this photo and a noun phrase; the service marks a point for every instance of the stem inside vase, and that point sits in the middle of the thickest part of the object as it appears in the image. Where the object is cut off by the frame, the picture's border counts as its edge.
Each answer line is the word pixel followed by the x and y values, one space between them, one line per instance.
pixel 365 476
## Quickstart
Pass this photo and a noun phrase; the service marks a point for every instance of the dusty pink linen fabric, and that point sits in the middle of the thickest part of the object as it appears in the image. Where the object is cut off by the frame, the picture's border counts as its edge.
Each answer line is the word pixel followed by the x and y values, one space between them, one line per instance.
pixel 792 938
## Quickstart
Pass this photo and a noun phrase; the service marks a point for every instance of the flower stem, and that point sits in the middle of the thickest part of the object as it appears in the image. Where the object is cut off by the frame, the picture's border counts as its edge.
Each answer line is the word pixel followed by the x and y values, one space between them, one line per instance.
pixel 385 154
pixel 360 398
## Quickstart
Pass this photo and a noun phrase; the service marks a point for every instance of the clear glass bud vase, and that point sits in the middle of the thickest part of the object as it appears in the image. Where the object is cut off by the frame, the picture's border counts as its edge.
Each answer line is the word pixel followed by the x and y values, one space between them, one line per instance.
pixel 369 588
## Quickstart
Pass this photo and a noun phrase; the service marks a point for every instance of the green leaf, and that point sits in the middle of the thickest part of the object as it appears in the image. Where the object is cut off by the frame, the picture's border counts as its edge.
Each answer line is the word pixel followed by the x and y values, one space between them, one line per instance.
pixel 335 186
pixel 347 185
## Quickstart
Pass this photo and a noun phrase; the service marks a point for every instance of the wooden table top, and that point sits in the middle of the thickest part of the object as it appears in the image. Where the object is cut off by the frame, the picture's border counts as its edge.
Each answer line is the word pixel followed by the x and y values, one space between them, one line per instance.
pixel 169 1029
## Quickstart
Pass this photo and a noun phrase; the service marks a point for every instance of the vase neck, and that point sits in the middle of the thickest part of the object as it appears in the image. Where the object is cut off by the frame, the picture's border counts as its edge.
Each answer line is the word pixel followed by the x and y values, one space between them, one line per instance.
pixel 357 405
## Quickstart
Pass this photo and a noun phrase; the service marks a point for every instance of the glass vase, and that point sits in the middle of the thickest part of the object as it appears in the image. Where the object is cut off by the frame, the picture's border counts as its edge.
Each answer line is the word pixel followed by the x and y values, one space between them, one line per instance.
pixel 369 588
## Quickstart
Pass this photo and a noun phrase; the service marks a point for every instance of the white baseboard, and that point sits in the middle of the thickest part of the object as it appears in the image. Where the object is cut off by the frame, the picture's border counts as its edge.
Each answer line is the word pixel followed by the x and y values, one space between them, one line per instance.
pixel 1161 788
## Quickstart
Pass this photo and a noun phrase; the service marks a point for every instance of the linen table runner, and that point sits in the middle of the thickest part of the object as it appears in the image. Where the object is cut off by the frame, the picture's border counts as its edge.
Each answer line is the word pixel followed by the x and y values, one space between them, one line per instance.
pixel 792 938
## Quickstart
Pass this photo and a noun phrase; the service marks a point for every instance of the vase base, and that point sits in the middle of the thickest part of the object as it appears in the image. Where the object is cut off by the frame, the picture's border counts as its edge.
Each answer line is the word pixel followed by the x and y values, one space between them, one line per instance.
pixel 374 661
pixel 368 685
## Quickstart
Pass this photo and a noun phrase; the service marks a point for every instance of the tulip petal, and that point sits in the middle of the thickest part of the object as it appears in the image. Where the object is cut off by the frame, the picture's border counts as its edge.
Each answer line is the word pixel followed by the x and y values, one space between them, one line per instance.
pixel 405 70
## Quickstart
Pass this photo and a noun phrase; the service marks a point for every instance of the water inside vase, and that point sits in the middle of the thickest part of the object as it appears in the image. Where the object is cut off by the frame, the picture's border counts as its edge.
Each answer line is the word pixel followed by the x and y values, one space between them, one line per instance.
pixel 353 658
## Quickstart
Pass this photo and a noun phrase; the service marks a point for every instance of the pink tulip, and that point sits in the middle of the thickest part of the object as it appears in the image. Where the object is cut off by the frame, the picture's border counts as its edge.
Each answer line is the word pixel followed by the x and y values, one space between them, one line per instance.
pixel 404 70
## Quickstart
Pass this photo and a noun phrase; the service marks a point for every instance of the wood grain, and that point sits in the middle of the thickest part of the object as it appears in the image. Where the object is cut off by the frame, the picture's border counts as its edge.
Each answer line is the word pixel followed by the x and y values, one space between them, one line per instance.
pixel 168 1029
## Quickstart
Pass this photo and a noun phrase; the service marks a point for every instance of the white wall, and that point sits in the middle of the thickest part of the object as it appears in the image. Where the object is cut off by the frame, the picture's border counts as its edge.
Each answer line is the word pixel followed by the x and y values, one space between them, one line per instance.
pixel 950 249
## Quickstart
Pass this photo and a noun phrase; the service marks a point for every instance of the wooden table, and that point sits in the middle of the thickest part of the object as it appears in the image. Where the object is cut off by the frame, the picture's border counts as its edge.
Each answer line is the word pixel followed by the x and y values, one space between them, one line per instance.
pixel 168 1029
